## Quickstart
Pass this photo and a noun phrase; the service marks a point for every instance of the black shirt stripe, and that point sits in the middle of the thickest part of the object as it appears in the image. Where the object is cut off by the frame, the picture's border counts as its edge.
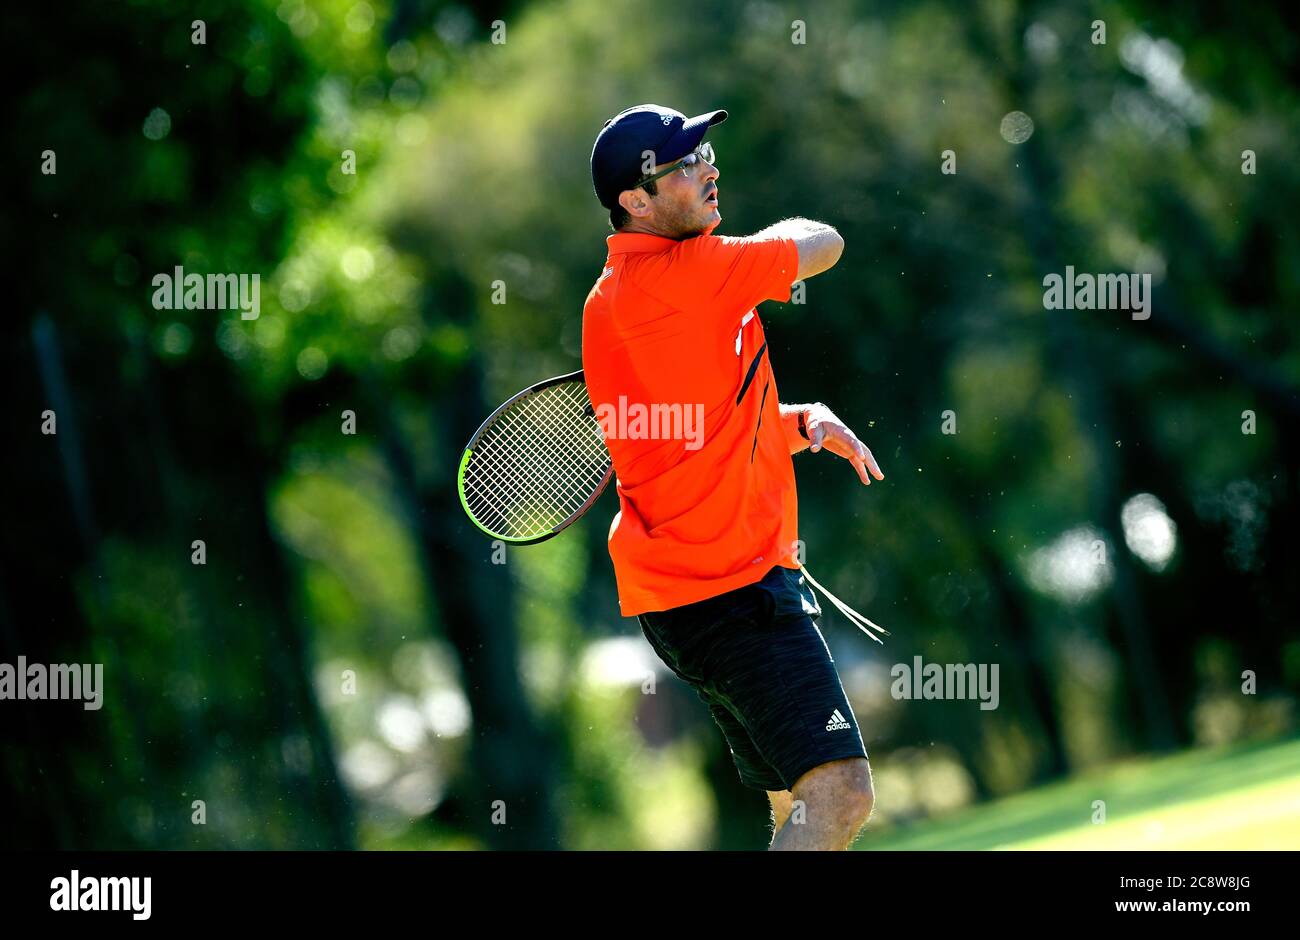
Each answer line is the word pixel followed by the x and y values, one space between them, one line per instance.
pixel 753 367
pixel 763 402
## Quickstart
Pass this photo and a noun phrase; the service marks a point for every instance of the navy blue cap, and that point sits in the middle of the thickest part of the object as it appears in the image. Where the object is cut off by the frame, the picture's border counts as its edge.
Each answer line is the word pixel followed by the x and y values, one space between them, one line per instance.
pixel 617 155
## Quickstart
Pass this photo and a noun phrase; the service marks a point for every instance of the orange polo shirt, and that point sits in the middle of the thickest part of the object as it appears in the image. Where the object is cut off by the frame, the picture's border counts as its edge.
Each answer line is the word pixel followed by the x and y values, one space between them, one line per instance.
pixel 679 372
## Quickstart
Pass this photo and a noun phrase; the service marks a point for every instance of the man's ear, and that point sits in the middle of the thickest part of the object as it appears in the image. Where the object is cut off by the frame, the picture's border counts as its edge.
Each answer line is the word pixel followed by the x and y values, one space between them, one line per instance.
pixel 635 203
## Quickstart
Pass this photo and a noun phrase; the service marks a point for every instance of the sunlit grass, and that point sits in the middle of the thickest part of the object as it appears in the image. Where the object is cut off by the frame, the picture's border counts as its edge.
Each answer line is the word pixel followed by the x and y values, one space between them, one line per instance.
pixel 1239 798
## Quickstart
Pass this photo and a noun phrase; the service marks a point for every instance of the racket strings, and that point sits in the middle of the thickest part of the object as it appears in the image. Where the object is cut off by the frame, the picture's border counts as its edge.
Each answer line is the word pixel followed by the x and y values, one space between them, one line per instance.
pixel 503 475
pixel 517 490
pixel 521 476
pixel 545 482
pixel 537 464
pixel 538 416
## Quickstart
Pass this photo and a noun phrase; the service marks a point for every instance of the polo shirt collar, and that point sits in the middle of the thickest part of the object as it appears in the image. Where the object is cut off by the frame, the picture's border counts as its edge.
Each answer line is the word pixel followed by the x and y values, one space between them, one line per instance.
pixel 624 242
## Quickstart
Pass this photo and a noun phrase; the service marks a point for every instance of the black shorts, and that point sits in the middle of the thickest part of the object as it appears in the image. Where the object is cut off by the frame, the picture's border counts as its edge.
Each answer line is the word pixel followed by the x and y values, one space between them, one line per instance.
pixel 757 659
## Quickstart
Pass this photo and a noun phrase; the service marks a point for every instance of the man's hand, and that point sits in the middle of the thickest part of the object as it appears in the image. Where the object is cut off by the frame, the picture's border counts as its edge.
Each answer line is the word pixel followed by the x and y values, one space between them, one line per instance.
pixel 829 432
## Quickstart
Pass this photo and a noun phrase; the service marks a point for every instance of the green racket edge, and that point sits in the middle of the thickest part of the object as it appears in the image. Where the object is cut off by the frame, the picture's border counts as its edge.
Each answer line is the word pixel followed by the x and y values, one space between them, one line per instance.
pixel 464 504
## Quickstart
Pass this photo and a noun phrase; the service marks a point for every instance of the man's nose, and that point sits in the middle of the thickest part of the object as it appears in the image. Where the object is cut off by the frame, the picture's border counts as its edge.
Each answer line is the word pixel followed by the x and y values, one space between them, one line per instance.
pixel 710 171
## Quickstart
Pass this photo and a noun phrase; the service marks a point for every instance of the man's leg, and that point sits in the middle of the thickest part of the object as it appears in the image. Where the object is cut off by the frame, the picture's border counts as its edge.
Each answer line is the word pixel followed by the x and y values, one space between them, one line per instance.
pixel 838 798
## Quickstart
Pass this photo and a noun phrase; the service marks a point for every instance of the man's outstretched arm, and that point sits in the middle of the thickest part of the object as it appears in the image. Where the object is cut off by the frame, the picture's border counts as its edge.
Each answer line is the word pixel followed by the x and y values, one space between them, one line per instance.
pixel 829 432
pixel 820 246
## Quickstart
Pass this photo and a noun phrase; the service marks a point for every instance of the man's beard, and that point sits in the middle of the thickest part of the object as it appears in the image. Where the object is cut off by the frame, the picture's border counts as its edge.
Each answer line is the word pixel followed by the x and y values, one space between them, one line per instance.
pixel 686 226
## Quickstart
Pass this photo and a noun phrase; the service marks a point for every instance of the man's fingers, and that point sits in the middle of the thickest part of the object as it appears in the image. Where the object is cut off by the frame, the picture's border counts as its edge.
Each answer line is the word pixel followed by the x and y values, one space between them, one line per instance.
pixel 859 466
pixel 871 462
pixel 847 445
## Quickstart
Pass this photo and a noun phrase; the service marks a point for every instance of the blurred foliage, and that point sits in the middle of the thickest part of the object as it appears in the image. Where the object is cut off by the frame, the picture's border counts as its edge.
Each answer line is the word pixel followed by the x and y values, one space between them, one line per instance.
pixel 350 667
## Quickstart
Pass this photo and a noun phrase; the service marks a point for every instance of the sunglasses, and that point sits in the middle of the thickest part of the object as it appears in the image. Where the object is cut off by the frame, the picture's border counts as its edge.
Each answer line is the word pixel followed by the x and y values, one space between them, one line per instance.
pixel 686 164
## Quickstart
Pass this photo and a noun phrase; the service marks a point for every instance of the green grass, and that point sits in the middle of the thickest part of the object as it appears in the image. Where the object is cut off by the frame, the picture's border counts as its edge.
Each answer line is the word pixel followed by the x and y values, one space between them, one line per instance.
pixel 1239 798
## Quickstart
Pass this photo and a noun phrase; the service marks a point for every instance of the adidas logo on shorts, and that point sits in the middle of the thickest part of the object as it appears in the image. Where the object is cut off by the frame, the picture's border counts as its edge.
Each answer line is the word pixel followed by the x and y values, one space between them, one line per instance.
pixel 837 722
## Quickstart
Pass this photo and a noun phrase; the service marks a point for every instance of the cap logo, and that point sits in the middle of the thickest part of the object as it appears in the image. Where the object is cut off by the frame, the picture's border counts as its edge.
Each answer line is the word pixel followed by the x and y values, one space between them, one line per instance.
pixel 667 119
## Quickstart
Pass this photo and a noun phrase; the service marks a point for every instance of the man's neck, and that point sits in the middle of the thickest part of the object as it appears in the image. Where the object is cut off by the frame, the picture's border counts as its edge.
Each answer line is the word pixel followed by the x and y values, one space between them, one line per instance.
pixel 637 227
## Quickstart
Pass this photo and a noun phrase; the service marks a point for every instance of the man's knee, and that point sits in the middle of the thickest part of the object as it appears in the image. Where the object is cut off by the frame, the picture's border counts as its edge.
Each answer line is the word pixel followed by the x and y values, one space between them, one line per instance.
pixel 844 786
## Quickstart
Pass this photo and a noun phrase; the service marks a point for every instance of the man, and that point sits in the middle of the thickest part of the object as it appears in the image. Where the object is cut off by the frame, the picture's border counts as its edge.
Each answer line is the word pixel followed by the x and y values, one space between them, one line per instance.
pixel 703 544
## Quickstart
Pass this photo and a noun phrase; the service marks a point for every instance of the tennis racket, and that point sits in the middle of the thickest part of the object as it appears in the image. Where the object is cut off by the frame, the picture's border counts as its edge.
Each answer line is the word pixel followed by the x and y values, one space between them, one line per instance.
pixel 540 461
pixel 536 464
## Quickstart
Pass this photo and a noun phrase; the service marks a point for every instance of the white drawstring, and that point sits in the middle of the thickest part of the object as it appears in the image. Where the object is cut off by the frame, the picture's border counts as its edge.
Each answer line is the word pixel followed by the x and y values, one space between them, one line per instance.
pixel 856 618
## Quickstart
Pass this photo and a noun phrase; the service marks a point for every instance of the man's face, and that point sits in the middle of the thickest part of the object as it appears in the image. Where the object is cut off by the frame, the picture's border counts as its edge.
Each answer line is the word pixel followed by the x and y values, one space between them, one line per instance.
pixel 686 204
